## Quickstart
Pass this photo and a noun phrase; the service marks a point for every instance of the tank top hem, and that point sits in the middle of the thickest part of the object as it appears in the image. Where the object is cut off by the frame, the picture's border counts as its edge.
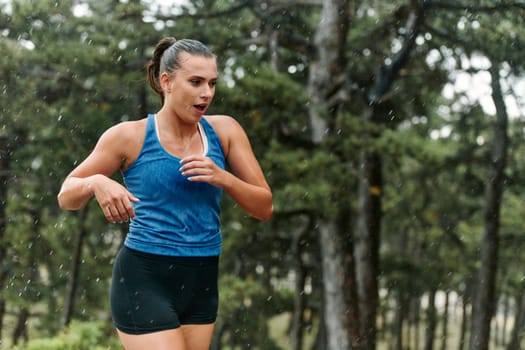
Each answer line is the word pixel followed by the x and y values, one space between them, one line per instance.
pixel 172 250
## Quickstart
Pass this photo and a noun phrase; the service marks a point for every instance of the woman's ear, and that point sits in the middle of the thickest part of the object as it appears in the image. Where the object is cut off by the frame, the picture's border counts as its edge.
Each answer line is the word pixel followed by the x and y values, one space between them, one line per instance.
pixel 165 81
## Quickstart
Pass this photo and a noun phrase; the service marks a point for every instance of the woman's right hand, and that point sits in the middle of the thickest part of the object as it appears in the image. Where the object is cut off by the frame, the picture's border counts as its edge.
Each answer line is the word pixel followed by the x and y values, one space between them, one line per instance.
pixel 116 149
pixel 113 198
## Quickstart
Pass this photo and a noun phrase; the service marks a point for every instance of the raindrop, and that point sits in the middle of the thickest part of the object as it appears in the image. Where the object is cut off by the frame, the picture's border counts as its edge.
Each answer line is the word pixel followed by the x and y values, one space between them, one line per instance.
pixel 89 83
pixel 123 44
pixel 36 163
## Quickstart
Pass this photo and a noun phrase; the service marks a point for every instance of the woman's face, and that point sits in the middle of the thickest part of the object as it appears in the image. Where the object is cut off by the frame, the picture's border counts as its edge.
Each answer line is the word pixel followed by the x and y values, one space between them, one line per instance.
pixel 190 90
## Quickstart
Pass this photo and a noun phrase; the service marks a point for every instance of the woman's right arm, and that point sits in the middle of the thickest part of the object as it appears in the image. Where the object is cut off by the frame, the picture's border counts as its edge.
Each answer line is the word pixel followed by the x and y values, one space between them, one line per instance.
pixel 91 178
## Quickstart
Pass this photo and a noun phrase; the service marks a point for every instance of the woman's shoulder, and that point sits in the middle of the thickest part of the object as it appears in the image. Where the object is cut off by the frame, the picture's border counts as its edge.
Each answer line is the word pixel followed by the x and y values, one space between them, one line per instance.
pixel 127 130
pixel 229 130
pixel 225 126
pixel 130 125
pixel 223 123
pixel 125 139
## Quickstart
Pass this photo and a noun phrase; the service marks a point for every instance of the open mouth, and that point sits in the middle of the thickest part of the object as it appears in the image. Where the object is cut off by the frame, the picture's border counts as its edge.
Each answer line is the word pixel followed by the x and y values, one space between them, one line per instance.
pixel 200 107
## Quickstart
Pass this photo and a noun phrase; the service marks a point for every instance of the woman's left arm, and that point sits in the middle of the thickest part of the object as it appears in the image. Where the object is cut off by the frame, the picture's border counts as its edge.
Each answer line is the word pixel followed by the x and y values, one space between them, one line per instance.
pixel 246 183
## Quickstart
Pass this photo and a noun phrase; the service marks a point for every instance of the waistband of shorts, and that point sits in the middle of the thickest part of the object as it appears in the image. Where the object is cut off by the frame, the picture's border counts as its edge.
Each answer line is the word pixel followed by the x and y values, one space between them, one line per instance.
pixel 184 260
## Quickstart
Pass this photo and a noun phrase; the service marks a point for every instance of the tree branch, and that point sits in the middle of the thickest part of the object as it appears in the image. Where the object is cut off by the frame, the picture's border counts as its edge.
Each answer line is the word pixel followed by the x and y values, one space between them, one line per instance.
pixel 298 2
pixel 503 6
pixel 291 41
pixel 207 15
pixel 446 35
pixel 387 73
pixel 290 213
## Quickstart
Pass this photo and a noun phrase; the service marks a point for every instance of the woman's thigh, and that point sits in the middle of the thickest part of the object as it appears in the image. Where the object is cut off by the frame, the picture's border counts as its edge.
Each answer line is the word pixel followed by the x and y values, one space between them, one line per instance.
pixel 197 336
pixel 187 337
pixel 172 339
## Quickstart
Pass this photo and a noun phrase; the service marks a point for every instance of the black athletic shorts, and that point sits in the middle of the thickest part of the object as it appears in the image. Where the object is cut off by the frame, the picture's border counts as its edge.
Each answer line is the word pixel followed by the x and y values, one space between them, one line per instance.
pixel 151 293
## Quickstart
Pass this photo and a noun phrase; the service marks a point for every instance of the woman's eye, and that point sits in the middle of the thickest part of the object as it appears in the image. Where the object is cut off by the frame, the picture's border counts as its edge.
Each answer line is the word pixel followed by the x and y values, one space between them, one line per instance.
pixel 195 82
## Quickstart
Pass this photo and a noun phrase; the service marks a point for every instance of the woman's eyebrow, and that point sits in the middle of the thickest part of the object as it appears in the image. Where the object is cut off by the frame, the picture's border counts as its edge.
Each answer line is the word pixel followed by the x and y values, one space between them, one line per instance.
pixel 196 76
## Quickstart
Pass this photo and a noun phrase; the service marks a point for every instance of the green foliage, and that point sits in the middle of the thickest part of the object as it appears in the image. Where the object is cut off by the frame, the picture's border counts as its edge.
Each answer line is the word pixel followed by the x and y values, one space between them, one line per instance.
pixel 268 104
pixel 303 180
pixel 244 311
pixel 78 336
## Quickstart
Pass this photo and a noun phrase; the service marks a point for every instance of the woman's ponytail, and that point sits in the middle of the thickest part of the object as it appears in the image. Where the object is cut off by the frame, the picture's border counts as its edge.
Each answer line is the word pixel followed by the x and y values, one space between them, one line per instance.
pixel 153 66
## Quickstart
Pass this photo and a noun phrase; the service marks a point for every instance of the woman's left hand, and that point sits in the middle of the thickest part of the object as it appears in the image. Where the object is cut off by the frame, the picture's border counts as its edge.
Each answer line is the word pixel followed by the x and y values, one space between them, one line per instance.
pixel 202 169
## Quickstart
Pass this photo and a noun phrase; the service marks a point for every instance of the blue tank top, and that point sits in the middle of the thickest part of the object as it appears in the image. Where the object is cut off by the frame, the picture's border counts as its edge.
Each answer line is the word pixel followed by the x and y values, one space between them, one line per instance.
pixel 175 216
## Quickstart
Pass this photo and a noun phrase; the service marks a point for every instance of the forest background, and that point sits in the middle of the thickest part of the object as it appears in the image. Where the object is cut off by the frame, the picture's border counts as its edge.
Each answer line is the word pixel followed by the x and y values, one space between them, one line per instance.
pixel 391 133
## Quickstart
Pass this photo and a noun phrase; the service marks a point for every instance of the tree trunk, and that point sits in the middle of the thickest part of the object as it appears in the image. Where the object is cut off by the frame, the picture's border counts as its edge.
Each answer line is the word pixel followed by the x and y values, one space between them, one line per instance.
pixel 5 155
pixel 444 330
pixel 20 330
pixel 519 324
pixel 495 329
pixel 401 297
pixel 416 312
pixel 320 338
pixel 72 283
pixel 464 322
pixel 367 240
pixel 297 328
pixel 325 69
pixel 350 284
pixel 219 331
pixel 142 108
pixel 430 333
pixel 328 65
pixel 504 326
pixel 483 307
pixel 399 318
pixel 367 247
pixel 333 295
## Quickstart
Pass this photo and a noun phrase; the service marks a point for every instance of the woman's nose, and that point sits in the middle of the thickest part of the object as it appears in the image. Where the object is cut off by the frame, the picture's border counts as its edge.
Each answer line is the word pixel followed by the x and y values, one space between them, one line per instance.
pixel 207 92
